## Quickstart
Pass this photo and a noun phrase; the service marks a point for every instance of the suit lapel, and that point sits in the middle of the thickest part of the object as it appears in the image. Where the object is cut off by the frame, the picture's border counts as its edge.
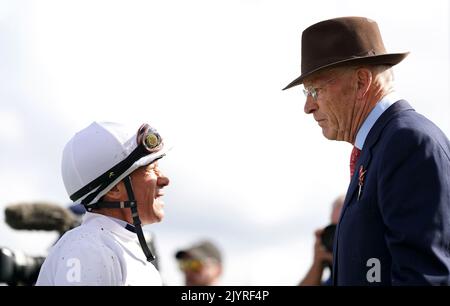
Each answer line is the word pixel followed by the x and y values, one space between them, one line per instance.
pixel 372 139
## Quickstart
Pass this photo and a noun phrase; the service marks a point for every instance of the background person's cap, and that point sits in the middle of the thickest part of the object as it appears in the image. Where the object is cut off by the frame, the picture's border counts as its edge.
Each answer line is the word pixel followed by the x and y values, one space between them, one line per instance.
pixel 201 251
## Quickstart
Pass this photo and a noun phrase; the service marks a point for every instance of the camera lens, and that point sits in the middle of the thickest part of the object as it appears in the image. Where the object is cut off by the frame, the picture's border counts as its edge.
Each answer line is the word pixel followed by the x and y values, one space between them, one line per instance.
pixel 17 268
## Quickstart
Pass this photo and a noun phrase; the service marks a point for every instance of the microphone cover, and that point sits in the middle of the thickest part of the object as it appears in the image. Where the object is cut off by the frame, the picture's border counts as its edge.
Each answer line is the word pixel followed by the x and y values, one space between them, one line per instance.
pixel 40 216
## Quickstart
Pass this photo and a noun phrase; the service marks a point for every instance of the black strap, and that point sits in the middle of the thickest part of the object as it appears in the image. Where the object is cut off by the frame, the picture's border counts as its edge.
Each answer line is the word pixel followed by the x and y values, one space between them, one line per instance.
pixel 109 176
pixel 137 221
pixel 123 204
pixel 132 204
pixel 92 195
pixel 130 228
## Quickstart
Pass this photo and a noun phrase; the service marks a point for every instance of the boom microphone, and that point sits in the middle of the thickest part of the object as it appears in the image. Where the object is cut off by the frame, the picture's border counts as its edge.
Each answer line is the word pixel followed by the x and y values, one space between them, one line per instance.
pixel 40 216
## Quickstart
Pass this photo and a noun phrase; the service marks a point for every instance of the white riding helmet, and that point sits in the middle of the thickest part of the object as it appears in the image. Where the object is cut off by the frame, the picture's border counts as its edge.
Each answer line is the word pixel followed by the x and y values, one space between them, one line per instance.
pixel 98 157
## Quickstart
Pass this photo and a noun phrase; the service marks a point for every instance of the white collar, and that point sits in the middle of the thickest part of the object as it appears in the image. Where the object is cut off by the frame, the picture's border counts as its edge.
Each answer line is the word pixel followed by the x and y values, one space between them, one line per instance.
pixel 376 112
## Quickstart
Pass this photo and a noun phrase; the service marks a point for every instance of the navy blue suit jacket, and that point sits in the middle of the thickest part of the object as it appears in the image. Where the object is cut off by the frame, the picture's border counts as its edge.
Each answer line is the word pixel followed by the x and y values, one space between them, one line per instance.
pixel 401 221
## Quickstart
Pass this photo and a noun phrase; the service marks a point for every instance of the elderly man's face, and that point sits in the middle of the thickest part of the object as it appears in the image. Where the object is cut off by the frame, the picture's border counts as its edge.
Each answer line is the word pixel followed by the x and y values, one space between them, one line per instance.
pixel 333 108
pixel 148 183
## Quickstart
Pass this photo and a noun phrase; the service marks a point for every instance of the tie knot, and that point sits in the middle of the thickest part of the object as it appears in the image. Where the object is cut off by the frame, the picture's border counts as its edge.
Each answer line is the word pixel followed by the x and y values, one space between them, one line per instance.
pixel 354 159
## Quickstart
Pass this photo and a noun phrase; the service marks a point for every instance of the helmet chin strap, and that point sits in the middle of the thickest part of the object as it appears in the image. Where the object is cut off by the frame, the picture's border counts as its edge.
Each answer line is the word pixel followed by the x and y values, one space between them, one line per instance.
pixel 136 220
pixel 132 204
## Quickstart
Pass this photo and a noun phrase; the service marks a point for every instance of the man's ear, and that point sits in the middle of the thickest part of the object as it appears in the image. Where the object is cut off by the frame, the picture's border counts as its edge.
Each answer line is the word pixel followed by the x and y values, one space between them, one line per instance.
pixel 364 79
pixel 116 193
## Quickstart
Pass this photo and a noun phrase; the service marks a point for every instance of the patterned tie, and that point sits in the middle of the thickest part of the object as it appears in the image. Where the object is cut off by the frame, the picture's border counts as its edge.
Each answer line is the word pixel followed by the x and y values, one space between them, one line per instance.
pixel 353 160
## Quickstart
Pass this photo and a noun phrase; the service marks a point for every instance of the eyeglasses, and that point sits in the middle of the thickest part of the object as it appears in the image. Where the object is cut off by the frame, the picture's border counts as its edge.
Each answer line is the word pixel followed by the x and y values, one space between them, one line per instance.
pixel 193 265
pixel 314 91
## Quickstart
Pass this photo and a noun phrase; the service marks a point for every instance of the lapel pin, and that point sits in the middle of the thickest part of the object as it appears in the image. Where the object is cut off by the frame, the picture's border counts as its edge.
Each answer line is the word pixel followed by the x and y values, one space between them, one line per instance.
pixel 361 176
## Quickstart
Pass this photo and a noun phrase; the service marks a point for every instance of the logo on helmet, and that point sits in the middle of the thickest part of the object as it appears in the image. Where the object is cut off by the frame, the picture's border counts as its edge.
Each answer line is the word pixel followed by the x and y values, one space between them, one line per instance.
pixel 152 141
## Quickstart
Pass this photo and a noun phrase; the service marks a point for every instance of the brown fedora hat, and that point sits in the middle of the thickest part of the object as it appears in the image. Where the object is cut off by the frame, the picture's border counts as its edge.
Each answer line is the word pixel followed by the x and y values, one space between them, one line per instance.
pixel 343 41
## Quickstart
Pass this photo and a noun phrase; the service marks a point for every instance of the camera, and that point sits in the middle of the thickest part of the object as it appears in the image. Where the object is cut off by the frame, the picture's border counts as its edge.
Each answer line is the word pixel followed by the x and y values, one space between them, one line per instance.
pixel 327 237
pixel 17 268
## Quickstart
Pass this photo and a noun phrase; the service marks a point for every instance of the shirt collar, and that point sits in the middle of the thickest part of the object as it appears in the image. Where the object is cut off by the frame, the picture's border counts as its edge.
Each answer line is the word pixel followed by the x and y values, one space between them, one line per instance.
pixel 116 225
pixel 376 112
pixel 124 224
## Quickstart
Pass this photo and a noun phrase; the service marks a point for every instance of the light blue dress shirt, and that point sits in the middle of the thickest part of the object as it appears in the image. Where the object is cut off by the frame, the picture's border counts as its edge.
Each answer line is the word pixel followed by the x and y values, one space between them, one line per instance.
pixel 376 112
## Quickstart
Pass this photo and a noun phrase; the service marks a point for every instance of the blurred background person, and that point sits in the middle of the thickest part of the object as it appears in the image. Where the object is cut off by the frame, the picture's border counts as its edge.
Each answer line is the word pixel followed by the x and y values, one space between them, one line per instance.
pixel 323 249
pixel 201 264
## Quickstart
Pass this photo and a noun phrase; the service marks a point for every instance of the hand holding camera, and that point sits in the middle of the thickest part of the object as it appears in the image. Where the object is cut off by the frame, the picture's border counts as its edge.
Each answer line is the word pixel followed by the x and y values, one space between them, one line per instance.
pixel 323 247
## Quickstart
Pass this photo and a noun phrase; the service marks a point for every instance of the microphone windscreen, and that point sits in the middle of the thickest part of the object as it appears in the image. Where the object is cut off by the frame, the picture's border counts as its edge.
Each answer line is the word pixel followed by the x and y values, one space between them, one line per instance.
pixel 40 216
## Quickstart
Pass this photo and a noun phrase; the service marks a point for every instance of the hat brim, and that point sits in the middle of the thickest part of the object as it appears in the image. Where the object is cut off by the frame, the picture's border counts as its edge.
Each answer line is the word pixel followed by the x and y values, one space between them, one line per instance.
pixel 383 59
pixel 193 254
pixel 181 254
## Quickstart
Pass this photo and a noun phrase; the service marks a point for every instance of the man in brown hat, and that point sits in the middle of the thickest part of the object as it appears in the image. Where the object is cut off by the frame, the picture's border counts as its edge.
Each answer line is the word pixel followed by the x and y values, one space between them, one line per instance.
pixel 201 264
pixel 394 228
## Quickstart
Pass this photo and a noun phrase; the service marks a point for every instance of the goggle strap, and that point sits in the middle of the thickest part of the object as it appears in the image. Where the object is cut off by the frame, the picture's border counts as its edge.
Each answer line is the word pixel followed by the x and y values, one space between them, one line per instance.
pixel 109 176
pixel 88 199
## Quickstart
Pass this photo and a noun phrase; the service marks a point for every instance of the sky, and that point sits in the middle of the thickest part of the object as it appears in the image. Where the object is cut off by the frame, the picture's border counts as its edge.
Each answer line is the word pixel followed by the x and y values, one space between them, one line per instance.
pixel 249 170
